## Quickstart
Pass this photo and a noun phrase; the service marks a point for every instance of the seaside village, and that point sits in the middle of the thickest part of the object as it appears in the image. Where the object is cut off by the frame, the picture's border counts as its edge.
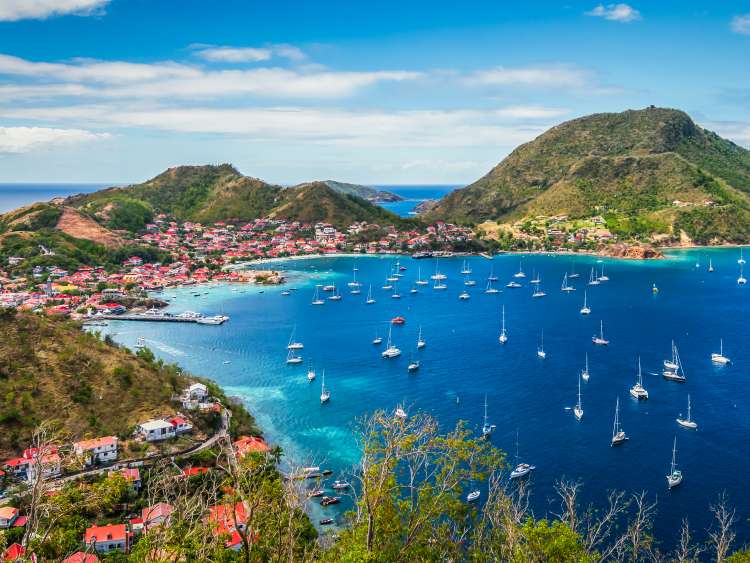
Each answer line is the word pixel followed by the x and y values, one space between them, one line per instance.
pixel 201 254
pixel 102 458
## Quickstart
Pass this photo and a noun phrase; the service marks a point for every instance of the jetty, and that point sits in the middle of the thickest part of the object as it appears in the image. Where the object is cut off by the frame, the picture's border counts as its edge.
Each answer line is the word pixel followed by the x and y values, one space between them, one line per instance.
pixel 186 317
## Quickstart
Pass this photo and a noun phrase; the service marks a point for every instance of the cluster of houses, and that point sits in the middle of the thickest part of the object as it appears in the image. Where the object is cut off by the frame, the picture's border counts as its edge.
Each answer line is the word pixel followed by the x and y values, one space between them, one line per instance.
pixel 560 230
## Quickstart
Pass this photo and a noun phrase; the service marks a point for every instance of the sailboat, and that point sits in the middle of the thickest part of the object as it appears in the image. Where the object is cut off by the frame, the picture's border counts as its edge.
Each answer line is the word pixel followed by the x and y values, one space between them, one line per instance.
pixel 742 280
pixel 469 282
pixel 741 259
pixel 466 269
pixel 535 278
pixel 316 298
pixel 369 300
pixel 292 358
pixel 421 343
pixel 573 274
pixel 377 340
pixel 593 279
pixel 673 368
pixel 293 344
pixel 521 469
pixel 585 373
pixel 602 277
pixel 487 428
pixel 565 286
pixel 413 365
pixel 675 475
pixel 310 373
pixel 618 434
pixel 437 276
pixel 420 281
pixel 520 273
pixel 720 358
pixel 492 277
pixel 600 340
pixel 710 265
pixel 354 282
pixel 140 343
pixel 585 310
pixel 336 296
pixel 540 350
pixel 325 394
pixel 578 409
pixel 513 284
pixel 464 295
pixel 503 338
pixel 390 351
pixel 537 291
pixel 490 288
pixel 687 422
pixel 638 391
pixel 395 294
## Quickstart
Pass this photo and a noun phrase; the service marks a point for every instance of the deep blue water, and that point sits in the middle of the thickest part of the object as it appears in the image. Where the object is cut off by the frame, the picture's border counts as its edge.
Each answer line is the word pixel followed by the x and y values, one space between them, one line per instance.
pixel 413 195
pixel 463 358
pixel 13 196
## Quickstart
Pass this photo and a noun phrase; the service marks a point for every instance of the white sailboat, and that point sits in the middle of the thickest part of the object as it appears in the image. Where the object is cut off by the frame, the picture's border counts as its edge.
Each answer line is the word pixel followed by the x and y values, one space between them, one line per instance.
pixel 465 268
pixel 293 344
pixel 540 350
pixel 687 422
pixel 503 338
pixel 421 343
pixel 413 365
pixel 673 368
pixel 420 281
pixel 437 276
pixel 602 277
pixel 675 475
pixel 335 296
pixel 473 495
pixel 377 340
pixel 316 298
pixel 292 358
pixel 573 274
pixel 741 259
pixel 565 285
pixel 370 300
pixel 720 358
pixel 325 394
pixel 520 273
pixel 618 434
pixel 638 391
pixel 710 265
pixel 742 280
pixel 490 289
pixel 390 351
pixel 521 469
pixel 585 310
pixel 492 277
pixel 487 428
pixel 578 409
pixel 593 279
pixel 354 282
pixel 140 343
pixel 585 373
pixel 537 291
pixel 536 278
pixel 672 364
pixel 310 373
pixel 395 294
pixel 599 339
pixel 513 285
pixel 464 295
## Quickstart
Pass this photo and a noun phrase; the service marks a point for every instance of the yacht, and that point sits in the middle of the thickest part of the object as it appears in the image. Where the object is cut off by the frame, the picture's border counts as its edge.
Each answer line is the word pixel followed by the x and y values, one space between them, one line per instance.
pixel 420 281
pixel 538 292
pixel 675 475
pixel 742 280
pixel 540 350
pixel 292 358
pixel 638 391
pixel 535 278
pixel 487 428
pixel 464 296
pixel 437 276
pixel 521 469
pixel 585 310
pixel 311 374
pixel 600 340
pixel 513 285
pixel 413 365
pixel 421 343
pixel 293 344
pixel 618 434
pixel 720 358
pixel 390 351
pixel 316 298
pixel 325 394
pixel 565 286
pixel 490 288
pixel 585 373
pixel 674 370
pixel 369 300
pixel 340 485
pixel 473 495
pixel 578 409
pixel 466 269
pixel 520 273
pixel 573 274
pixel 602 277
pixel 336 296
pixel 593 279
pixel 377 340
pixel 687 422
pixel 741 259
pixel 492 277
pixel 503 338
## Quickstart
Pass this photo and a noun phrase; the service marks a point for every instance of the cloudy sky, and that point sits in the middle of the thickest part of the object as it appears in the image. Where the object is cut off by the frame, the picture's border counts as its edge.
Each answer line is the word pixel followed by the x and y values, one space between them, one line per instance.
pixel 377 92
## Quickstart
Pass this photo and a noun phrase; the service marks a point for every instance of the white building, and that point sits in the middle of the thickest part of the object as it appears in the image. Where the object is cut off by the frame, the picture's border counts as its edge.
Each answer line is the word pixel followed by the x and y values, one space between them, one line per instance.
pixel 197 391
pixel 98 450
pixel 156 430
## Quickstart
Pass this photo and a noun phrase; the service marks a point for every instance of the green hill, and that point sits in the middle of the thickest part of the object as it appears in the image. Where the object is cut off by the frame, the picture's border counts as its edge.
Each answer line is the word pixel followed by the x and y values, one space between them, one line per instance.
pixel 50 370
pixel 210 193
pixel 365 192
pixel 646 171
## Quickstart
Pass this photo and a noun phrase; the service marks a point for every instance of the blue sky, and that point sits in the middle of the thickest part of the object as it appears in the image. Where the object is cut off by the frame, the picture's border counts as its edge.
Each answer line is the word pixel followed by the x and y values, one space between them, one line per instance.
pixel 377 92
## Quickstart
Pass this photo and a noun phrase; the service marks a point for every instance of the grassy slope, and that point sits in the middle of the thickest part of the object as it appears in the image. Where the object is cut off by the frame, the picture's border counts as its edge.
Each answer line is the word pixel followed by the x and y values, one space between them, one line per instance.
pixel 51 370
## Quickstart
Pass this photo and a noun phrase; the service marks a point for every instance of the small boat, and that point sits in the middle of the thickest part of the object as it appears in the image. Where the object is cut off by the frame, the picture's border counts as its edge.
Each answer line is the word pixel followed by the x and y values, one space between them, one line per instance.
pixel 638 391
pixel 490 289
pixel 285 293
pixel 336 295
pixel 492 277
pixel 538 292
pixel 316 298
pixel 578 409
pixel 535 279
pixel 513 285
pixel 487 428
pixel 413 290
pixel 565 286
pixel 355 291
pixel 395 294
pixel 464 296
pixel 387 286
pixel 325 394
pixel 618 434
pixel 540 350
pixel 140 343
pixel 473 495
pixel 369 300
pixel 327 472
pixel 585 310
pixel 573 274
pixel 293 344
pixel 470 283
pixel 503 338
pixel 316 493
pixel 593 279
pixel 437 276
pixel 398 320
pixel 710 265
pixel 292 358
pixel 742 280
pixel 585 373
pixel 390 351
pixel 329 288
pixel 654 289
pixel 741 259
pixel 225 362
pixel 521 469
pixel 599 339
pixel 311 374
pixel 421 343
pixel 354 282
pixel 673 368
pixel 675 475
pixel 377 340
pixel 687 422
pixel 325 521
pixel 439 286
pixel 602 277
pixel 520 273
pixel 327 501
pixel 413 365
pixel 340 485
pixel 720 358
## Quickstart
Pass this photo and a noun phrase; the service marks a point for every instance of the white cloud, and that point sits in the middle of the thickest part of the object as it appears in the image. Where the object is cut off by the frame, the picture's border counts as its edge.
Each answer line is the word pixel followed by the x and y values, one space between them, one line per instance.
pixel 13 10
pixel 741 24
pixel 737 131
pixel 552 76
pixel 530 112
pixel 25 139
pixel 249 54
pixel 616 12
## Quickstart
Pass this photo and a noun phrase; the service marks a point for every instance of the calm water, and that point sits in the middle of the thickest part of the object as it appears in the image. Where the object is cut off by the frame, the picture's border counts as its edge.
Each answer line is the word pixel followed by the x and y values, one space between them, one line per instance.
pixel 13 196
pixel 463 358
pixel 414 195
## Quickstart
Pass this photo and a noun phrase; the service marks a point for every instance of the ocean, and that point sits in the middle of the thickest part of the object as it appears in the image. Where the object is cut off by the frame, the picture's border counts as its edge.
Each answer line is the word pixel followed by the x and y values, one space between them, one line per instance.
pixel 463 362
pixel 413 195
pixel 13 196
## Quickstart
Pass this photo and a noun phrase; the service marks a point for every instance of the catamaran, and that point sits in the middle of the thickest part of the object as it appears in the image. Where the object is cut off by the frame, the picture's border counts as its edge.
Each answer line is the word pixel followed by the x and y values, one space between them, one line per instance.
pixel 420 281
pixel 742 280
pixel 585 310
pixel 675 475
pixel 487 428
pixel 325 394
pixel 535 278
pixel 292 358
pixel 370 299
pixel 565 285
pixel 521 469
pixel 513 285
pixel 638 391
pixel 585 373
pixel 720 358
pixel 464 295
pixel 618 434
pixel 602 277
pixel 421 343
pixel 466 269
pixel 599 340
pixel 503 338
pixel 520 273
pixel 490 288
pixel 540 350
pixel 316 298
pixel 293 344
pixel 537 291
pixel 336 295
pixel 673 368
pixel 578 409
pixel 593 279
pixel 390 351
pixel 687 422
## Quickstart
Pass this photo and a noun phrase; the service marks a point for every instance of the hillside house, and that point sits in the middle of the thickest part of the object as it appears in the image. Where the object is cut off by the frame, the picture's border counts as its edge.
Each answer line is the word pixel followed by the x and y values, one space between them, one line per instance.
pixel 156 430
pixel 97 450
pixel 104 539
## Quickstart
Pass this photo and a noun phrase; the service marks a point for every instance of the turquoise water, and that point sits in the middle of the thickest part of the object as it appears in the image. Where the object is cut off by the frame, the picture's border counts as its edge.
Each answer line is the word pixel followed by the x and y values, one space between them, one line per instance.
pixel 413 196
pixel 464 359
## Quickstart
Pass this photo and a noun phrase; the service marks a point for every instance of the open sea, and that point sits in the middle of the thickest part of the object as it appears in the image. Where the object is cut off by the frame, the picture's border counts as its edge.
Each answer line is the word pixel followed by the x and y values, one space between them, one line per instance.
pixel 463 361
pixel 413 195
pixel 13 196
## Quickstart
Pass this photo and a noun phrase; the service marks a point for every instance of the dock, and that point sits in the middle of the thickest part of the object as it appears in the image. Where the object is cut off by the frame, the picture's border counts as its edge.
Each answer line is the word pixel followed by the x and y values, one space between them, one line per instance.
pixel 164 318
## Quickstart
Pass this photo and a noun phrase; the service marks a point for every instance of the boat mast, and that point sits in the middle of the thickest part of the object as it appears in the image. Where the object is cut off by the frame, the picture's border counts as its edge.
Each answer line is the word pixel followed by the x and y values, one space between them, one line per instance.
pixel 616 426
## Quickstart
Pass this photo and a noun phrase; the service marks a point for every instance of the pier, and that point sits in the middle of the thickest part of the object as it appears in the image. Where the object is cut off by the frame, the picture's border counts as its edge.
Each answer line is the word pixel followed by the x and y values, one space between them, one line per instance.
pixel 165 318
